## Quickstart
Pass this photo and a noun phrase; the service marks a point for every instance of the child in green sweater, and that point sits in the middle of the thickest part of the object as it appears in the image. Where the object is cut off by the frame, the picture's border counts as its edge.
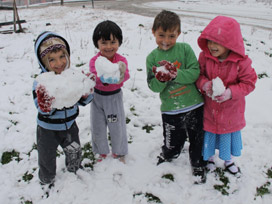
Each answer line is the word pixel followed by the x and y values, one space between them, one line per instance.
pixel 172 70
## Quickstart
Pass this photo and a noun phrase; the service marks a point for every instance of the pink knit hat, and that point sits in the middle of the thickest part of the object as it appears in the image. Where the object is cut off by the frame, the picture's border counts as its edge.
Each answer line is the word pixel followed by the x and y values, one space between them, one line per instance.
pixel 52 44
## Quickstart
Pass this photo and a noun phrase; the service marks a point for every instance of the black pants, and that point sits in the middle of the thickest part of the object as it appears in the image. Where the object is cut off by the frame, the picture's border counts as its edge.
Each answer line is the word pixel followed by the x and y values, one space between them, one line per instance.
pixel 176 129
pixel 47 144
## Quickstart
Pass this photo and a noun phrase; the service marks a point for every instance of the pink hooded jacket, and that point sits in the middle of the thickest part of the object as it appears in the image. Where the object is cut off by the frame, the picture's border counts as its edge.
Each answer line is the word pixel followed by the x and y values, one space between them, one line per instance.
pixel 110 87
pixel 235 72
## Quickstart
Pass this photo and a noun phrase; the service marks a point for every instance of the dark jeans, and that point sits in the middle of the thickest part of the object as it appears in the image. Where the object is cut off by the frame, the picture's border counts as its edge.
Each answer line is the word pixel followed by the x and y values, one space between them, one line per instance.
pixel 176 129
pixel 47 144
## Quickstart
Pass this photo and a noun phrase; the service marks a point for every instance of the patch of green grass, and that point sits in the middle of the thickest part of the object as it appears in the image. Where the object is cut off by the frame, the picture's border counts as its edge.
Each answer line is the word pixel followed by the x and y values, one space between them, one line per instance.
pixel 150 197
pixel 14 122
pixel 87 153
pixel 127 120
pixel 263 190
pixel 11 113
pixel 23 201
pixel 269 173
pixel 262 75
pixel 132 109
pixel 148 128
pixel 34 76
pixel 59 153
pixel 130 140
pixel 268 54
pixel 9 156
pixel 169 177
pixel 27 177
pixel 223 188
pixel 80 64
pixel 34 147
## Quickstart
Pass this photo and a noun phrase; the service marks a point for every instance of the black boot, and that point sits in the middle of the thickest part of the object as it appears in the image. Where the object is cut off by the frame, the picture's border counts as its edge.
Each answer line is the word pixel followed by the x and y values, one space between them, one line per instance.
pixel 161 158
pixel 200 174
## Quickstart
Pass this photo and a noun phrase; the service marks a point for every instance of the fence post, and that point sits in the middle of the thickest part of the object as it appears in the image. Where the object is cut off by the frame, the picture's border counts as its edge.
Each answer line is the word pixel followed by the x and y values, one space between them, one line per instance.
pixel 16 18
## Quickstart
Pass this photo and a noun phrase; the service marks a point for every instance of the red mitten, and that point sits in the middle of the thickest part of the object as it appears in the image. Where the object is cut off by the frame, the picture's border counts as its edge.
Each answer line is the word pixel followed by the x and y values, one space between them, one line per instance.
pixel 162 76
pixel 92 76
pixel 44 100
pixel 154 69
pixel 170 67
pixel 207 88
pixel 225 96
pixel 168 74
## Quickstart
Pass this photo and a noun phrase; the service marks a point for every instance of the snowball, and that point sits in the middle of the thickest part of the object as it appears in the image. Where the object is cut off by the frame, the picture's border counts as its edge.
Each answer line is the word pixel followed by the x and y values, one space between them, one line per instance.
pixel 67 88
pixel 218 87
pixel 107 69
pixel 162 69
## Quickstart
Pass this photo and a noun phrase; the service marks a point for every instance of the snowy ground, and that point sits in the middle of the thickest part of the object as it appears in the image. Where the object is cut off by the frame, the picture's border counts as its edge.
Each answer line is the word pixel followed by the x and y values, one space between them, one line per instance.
pixel 110 181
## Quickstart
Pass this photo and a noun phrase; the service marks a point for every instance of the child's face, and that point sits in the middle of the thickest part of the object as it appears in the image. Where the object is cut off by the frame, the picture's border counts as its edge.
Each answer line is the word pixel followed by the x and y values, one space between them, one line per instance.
pixel 217 50
pixel 166 39
pixel 57 61
pixel 108 48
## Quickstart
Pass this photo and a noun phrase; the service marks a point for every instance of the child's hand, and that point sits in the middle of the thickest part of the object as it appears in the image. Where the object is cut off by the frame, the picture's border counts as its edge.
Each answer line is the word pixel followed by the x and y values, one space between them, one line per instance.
pixel 91 75
pixel 162 76
pixel 44 100
pixel 93 78
pixel 207 88
pixel 167 74
pixel 122 68
pixel 224 97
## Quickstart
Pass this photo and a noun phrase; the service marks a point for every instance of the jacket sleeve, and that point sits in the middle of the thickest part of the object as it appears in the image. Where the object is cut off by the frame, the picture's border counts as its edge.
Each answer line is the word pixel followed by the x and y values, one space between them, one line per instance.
pixel 92 66
pixel 154 84
pixel 85 101
pixel 202 79
pixel 189 71
pixel 246 79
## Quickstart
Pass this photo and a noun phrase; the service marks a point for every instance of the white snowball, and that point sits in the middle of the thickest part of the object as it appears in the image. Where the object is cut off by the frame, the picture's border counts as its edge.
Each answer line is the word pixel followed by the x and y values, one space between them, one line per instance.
pixel 67 88
pixel 106 68
pixel 218 87
pixel 162 69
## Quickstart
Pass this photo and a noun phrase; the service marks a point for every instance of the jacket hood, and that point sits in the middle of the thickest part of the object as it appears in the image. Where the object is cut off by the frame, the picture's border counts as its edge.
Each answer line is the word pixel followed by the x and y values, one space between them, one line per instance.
pixel 43 36
pixel 224 31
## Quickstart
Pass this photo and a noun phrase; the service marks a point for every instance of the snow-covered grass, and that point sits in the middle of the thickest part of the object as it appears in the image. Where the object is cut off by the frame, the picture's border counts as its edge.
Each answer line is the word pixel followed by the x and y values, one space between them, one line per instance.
pixel 139 181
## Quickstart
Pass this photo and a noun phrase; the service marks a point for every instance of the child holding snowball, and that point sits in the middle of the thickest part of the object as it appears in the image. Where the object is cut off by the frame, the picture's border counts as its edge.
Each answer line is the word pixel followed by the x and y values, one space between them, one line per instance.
pixel 107 109
pixel 56 124
pixel 172 70
pixel 226 77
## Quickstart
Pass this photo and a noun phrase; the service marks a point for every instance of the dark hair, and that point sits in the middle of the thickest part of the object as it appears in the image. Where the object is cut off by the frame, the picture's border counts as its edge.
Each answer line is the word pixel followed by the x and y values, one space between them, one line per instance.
pixel 104 30
pixel 167 20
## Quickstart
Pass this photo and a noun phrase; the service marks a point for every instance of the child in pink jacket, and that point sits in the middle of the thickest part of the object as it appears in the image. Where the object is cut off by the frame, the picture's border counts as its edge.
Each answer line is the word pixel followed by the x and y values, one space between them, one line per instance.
pixel 107 110
pixel 223 59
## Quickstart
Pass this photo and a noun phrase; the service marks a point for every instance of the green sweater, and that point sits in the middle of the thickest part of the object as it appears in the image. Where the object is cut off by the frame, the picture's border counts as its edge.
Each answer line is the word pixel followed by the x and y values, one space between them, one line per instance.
pixel 181 92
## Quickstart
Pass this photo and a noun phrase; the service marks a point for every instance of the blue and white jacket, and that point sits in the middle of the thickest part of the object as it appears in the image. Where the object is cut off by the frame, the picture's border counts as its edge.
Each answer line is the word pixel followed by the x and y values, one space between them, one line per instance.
pixel 56 119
